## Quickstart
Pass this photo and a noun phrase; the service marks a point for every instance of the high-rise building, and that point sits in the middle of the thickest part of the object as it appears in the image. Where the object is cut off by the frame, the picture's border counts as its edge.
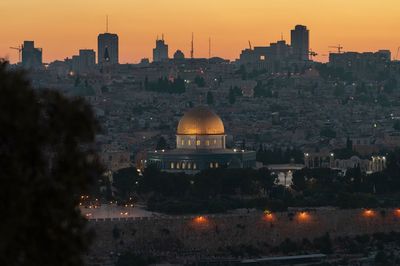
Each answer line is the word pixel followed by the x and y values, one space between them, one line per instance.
pixel 31 56
pixel 160 53
pixel 300 42
pixel 87 59
pixel 84 62
pixel 107 48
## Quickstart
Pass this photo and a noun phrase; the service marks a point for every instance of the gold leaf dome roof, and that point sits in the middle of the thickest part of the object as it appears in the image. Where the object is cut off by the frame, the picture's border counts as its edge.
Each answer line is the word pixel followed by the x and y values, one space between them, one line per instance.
pixel 200 121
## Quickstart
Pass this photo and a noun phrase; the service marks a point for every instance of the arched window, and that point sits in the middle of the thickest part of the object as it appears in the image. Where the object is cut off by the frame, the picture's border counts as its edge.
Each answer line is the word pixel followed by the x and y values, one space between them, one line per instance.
pixel 178 166
pixel 207 142
pixel 172 165
pixel 211 165
pixel 194 166
pixel 189 165
pixel 216 165
pixel 198 142
pixel 189 142
pixel 183 165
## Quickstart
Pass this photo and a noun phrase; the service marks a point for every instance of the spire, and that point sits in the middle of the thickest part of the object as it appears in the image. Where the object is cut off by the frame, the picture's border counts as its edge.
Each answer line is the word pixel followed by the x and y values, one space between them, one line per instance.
pixel 192 48
pixel 106 23
pixel 209 47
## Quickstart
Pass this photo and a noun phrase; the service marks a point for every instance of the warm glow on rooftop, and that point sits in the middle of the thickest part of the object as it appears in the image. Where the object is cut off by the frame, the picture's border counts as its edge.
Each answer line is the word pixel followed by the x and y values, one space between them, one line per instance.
pixel 303 216
pixel 369 213
pixel 200 220
pixel 268 215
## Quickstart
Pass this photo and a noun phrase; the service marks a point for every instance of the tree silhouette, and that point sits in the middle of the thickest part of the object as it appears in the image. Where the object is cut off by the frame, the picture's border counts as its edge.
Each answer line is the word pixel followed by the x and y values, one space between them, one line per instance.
pixel 210 98
pixel 124 181
pixel 162 144
pixel 46 164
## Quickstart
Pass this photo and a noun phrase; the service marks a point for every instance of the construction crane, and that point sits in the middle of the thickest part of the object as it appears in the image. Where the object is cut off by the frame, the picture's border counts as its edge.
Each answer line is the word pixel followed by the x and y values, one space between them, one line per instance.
pixel 251 48
pixel 312 53
pixel 19 49
pixel 339 48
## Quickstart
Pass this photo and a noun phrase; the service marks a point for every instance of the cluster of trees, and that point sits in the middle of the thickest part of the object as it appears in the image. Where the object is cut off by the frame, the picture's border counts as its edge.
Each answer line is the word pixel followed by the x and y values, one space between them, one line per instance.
pixel 233 93
pixel 208 183
pixel 218 190
pixel 210 98
pixel 265 89
pixel 212 190
pixel 199 81
pixel 327 132
pixel 245 74
pixel 165 85
pixel 277 155
pixel 324 186
pixel 329 72
pixel 46 164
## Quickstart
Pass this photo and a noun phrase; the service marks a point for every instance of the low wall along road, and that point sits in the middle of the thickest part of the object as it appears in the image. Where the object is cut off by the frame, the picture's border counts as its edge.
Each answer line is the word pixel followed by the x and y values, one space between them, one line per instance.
pixel 209 233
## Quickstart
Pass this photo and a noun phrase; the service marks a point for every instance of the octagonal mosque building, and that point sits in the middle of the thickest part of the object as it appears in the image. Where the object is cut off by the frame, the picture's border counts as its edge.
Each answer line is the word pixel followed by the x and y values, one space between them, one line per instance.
pixel 200 144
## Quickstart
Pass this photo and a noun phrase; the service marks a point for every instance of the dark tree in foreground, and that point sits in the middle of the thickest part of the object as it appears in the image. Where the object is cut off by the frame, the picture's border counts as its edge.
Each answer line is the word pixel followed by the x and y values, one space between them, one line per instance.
pixel 125 181
pixel 210 98
pixel 162 144
pixel 46 164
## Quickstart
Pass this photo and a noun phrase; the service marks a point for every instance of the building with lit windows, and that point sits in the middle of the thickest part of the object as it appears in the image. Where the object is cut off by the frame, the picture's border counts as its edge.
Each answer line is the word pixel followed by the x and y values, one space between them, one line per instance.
pixel 200 144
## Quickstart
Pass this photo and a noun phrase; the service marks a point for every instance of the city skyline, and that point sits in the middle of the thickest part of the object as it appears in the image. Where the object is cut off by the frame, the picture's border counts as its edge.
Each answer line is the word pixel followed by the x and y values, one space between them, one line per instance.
pixel 371 27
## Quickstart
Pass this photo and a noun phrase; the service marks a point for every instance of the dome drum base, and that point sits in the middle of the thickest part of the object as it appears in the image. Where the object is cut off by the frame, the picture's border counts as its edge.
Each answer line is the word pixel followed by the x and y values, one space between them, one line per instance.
pixel 196 142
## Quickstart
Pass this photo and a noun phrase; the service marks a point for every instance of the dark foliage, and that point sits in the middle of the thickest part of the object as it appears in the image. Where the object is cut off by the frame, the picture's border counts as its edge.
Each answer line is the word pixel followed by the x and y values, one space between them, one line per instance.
pixel 199 81
pixel 279 156
pixel 210 98
pixel 166 85
pixel 45 167
pixel 124 181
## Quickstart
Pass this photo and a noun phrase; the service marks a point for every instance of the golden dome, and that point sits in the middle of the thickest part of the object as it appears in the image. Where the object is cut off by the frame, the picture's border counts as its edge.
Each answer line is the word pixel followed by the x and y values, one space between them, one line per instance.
pixel 200 121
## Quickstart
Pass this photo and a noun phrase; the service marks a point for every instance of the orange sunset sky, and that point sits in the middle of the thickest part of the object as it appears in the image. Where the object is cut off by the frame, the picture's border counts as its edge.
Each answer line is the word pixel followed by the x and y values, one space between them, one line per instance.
pixel 62 27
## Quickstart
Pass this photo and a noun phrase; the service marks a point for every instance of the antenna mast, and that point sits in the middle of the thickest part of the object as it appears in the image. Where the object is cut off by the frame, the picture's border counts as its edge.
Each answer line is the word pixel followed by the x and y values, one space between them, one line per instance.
pixel 106 23
pixel 192 50
pixel 209 48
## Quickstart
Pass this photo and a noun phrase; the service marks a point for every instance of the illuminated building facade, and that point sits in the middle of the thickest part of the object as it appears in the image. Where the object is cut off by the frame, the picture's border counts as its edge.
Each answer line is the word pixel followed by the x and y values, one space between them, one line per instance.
pixel 200 144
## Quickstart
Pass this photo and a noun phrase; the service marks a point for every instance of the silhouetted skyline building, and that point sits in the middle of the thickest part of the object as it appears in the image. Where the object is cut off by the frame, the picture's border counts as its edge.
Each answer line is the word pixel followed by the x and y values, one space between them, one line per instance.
pixel 84 62
pixel 160 52
pixel 31 56
pixel 300 42
pixel 179 55
pixel 361 64
pixel 107 48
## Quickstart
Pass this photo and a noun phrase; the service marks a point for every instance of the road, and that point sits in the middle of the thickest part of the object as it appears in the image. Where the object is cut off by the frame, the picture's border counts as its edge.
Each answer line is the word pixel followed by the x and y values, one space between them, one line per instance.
pixel 115 211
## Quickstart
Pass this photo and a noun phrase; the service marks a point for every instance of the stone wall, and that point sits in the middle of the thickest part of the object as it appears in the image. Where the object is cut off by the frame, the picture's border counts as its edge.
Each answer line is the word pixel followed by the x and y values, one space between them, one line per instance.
pixel 210 233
